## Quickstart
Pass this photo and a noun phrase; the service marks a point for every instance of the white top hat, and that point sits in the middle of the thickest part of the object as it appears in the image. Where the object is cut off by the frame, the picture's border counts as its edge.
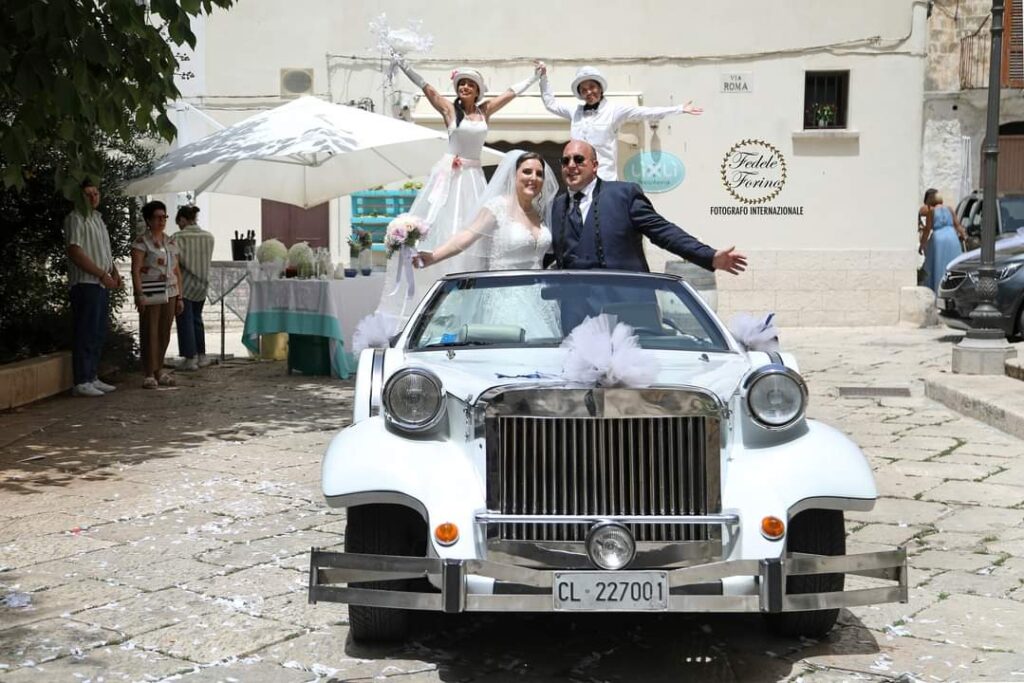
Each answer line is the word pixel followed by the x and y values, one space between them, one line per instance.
pixel 587 73
pixel 471 74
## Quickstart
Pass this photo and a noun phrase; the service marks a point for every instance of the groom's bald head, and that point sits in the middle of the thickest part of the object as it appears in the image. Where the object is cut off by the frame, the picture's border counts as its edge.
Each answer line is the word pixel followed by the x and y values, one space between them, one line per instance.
pixel 579 164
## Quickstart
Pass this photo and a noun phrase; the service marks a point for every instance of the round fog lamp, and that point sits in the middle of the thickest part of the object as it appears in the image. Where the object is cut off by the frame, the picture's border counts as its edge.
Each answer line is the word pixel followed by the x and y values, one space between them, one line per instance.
pixel 610 546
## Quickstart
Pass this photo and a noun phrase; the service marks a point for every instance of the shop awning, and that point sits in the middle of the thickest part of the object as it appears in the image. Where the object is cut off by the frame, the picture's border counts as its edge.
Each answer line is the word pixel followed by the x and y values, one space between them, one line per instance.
pixel 525 119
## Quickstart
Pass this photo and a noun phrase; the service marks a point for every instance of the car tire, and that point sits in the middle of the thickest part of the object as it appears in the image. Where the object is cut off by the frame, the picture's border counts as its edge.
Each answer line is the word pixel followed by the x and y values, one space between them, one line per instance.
pixel 818 532
pixel 383 530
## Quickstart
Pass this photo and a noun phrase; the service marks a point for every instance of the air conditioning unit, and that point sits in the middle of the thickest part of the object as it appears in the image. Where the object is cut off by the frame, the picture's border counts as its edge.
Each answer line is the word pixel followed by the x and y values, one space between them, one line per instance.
pixel 296 82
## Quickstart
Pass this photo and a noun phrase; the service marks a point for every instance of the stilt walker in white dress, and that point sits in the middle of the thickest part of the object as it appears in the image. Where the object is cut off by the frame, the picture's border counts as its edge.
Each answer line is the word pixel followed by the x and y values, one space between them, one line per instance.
pixel 596 120
pixel 452 194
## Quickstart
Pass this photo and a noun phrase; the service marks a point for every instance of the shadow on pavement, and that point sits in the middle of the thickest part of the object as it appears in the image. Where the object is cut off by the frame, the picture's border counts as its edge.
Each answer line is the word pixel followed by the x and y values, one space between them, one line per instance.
pixel 615 648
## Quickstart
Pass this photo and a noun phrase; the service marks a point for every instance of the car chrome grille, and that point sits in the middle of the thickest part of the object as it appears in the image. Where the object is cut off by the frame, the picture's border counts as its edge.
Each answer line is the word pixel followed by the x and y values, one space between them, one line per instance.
pixel 603 466
pixel 952 279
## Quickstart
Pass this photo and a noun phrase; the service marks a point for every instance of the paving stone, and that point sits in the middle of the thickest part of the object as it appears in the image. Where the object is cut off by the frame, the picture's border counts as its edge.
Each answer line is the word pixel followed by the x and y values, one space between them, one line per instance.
pixel 972 459
pixel 883 617
pixel 984 520
pixel 213 637
pixel 1013 476
pixel 245 529
pixel 974 621
pixel 24 551
pixel 251 505
pixel 975 583
pixel 294 608
pixel 149 611
pixel 39 576
pixel 44 524
pixel 885 534
pixel 1002 449
pixel 1009 547
pixel 251 586
pixel 109 664
pixel 937 445
pixel 63 600
pixel 25 506
pixel 950 540
pixel 942 469
pixel 894 485
pixel 977 493
pixel 941 559
pixel 42 641
pixel 249 672
pixel 142 569
pixel 268 550
pixel 153 526
pixel 899 511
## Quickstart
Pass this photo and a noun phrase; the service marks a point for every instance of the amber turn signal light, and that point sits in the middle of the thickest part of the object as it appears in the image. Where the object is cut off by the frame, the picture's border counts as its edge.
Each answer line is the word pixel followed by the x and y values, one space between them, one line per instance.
pixel 446 533
pixel 773 528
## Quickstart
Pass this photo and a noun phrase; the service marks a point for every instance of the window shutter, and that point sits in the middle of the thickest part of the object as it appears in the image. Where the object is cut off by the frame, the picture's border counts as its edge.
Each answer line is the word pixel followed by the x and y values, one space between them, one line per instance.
pixel 1013 46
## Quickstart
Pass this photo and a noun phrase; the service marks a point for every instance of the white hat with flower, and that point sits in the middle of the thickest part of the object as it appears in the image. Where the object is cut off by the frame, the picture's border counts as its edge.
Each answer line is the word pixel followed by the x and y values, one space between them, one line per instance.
pixel 473 75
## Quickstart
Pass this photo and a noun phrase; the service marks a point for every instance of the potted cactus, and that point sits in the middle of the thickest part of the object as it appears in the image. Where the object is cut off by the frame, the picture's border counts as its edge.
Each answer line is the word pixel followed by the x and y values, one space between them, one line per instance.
pixel 354 248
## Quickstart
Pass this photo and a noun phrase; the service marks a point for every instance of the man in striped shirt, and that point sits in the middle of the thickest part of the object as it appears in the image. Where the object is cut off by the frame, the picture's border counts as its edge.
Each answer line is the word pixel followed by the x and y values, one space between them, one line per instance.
pixel 91 273
pixel 195 249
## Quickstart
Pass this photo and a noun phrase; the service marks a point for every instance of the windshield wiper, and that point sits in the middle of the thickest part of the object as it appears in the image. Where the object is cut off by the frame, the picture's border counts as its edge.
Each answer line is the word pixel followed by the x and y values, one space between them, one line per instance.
pixel 453 345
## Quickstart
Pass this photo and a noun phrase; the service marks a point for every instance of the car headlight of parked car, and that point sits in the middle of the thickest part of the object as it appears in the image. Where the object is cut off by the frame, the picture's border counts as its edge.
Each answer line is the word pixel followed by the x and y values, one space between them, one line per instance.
pixel 413 400
pixel 776 396
pixel 1002 272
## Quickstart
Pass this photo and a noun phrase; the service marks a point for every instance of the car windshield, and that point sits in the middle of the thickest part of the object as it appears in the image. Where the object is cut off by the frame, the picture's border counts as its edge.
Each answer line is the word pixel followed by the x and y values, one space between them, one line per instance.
pixel 1011 210
pixel 536 310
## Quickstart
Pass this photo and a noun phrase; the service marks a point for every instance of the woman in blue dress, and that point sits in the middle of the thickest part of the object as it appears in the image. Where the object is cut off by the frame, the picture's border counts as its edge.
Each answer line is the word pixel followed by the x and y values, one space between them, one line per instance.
pixel 940 239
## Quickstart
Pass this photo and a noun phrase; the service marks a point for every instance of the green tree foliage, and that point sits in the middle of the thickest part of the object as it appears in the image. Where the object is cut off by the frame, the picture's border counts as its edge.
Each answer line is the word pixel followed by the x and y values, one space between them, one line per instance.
pixel 72 68
pixel 34 309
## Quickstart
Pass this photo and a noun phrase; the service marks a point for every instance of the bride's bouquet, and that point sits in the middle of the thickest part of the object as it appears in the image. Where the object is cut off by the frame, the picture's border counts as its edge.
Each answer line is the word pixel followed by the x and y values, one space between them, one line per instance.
pixel 405 230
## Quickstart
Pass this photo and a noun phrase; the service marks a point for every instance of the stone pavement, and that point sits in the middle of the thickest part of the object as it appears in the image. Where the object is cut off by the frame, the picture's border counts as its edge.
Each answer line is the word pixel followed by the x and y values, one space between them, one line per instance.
pixel 155 535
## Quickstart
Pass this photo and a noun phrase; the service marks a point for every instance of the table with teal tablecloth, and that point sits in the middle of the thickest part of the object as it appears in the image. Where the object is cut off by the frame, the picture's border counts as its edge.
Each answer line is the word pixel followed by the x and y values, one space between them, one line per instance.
pixel 325 308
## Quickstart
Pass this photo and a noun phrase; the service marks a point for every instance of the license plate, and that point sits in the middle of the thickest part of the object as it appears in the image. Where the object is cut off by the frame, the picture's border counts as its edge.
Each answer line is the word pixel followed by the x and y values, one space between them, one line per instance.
pixel 610 591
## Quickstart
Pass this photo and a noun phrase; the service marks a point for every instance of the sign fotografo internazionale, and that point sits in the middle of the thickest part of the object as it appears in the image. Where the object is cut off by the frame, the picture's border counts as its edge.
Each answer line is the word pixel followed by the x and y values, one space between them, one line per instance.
pixel 754 172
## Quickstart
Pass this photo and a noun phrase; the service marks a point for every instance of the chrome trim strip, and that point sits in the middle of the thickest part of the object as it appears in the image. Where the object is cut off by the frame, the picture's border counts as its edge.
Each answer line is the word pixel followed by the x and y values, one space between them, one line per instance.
pixel 547 400
pixel 572 555
pixel 376 381
pixel 726 518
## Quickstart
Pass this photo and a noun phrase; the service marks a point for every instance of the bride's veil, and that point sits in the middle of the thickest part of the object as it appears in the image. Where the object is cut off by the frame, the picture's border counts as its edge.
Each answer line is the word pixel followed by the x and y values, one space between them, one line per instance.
pixel 500 195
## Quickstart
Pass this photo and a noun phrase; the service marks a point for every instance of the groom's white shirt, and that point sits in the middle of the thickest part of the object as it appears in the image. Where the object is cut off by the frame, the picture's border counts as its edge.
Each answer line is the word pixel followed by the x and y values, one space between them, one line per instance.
pixel 588 198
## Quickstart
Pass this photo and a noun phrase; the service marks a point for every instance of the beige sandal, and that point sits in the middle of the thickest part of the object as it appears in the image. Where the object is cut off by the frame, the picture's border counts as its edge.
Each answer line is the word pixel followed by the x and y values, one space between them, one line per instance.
pixel 149 383
pixel 166 380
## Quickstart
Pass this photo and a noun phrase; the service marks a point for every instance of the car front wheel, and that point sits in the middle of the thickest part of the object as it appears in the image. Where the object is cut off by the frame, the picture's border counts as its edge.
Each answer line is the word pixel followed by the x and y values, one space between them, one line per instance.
pixel 383 530
pixel 817 532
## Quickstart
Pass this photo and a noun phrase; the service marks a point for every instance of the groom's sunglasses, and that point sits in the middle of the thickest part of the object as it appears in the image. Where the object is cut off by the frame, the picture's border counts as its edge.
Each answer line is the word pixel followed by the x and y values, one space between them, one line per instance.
pixel 578 159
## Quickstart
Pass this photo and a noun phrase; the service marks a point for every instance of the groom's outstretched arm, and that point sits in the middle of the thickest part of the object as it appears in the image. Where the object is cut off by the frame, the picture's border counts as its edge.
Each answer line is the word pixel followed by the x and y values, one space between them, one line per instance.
pixel 666 234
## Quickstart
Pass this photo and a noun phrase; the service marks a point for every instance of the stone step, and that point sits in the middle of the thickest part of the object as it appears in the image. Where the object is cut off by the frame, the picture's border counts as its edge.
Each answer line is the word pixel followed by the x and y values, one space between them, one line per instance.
pixel 994 400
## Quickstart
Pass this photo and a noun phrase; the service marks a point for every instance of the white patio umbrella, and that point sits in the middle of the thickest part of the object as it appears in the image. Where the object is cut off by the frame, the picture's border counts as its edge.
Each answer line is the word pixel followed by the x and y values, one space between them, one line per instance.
pixel 303 153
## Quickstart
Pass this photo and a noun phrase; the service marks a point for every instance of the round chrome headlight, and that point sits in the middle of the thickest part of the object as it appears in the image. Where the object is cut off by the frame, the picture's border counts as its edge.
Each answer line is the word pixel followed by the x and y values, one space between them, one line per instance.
pixel 413 400
pixel 776 396
pixel 610 545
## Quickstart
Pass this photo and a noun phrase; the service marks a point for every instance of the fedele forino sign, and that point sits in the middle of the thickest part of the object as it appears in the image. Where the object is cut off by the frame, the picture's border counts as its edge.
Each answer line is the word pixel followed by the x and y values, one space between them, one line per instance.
pixel 754 172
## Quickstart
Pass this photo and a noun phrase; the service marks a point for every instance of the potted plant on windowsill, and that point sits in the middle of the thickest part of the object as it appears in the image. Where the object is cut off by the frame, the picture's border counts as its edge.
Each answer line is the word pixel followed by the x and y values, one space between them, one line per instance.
pixel 366 254
pixel 824 115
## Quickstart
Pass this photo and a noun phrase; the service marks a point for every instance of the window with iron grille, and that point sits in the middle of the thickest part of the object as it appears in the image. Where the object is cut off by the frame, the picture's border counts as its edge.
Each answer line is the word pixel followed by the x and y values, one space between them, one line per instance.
pixel 825 99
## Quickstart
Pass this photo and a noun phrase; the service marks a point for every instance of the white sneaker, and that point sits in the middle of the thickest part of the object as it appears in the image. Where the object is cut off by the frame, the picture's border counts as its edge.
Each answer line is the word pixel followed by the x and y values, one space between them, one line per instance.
pixel 103 386
pixel 86 389
pixel 204 360
pixel 189 364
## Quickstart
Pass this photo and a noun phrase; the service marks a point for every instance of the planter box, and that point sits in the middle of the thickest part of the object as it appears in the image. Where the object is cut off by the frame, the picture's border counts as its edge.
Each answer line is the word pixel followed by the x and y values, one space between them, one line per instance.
pixel 30 380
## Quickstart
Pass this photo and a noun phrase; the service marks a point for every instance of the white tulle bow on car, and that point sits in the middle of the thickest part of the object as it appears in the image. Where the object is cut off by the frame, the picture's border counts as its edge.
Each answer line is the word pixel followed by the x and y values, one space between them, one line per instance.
pixel 374 332
pixel 755 333
pixel 604 353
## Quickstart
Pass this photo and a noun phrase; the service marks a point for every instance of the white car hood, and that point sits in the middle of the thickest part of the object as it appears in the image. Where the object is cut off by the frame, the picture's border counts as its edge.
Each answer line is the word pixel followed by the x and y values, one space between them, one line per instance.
pixel 472 371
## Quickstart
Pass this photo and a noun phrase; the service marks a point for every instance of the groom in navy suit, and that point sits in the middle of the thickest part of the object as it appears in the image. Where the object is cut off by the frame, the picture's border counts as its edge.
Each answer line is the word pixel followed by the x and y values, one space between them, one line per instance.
pixel 602 223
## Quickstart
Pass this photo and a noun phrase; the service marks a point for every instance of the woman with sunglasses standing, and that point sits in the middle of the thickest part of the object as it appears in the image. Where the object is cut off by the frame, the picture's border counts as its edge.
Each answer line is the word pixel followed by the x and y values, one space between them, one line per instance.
pixel 452 193
pixel 156 282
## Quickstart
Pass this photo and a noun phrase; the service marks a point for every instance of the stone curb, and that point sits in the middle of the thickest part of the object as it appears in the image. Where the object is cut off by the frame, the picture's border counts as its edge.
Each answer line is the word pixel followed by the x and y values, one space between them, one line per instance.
pixel 996 401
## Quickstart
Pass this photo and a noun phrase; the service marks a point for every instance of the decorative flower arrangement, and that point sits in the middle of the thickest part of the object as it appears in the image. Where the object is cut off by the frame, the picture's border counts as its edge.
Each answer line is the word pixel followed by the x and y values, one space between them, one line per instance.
pixel 271 250
pixel 300 256
pixel 405 230
pixel 823 114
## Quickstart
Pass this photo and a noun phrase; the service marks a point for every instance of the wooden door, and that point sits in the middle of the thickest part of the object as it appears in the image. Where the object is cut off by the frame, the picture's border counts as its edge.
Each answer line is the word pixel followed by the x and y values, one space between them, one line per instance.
pixel 292 224
pixel 1011 164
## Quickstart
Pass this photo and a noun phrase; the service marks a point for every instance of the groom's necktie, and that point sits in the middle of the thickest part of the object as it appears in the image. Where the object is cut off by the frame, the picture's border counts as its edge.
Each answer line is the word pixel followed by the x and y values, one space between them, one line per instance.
pixel 575 215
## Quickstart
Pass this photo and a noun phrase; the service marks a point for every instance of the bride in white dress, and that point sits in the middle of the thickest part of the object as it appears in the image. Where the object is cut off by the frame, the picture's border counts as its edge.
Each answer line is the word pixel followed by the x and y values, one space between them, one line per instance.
pixel 456 184
pixel 510 232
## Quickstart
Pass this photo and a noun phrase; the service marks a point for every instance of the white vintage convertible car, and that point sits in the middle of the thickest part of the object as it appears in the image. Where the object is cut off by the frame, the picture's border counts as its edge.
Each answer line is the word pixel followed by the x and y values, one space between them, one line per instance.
pixel 478 476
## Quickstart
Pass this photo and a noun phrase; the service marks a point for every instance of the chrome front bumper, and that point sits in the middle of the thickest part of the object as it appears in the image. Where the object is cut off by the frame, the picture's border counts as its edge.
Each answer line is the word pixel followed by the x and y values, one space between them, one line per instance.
pixel 520 589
